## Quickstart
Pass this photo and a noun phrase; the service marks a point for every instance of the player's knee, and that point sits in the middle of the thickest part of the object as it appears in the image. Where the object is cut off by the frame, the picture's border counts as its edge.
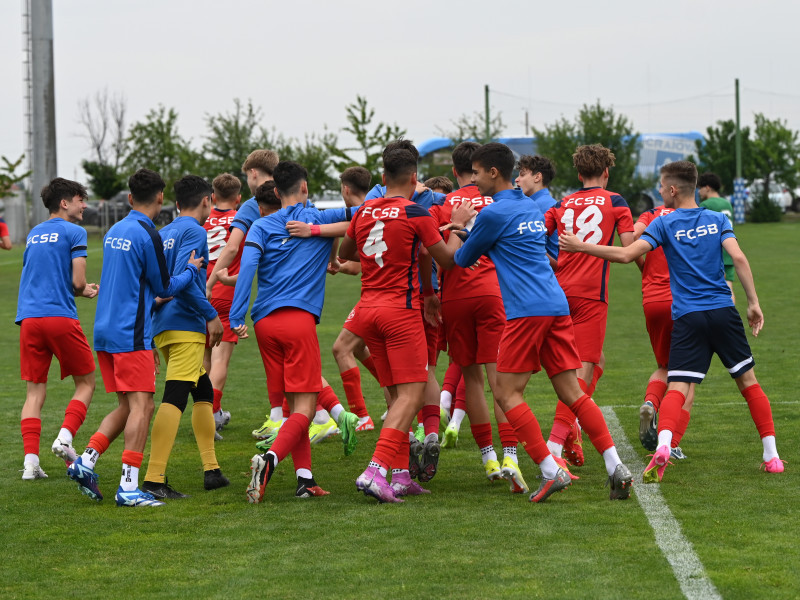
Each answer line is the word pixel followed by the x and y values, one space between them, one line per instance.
pixel 177 393
pixel 204 390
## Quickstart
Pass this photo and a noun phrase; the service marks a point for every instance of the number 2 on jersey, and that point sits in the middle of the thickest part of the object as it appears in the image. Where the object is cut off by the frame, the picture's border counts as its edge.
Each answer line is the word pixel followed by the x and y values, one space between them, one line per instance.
pixel 375 245
pixel 588 224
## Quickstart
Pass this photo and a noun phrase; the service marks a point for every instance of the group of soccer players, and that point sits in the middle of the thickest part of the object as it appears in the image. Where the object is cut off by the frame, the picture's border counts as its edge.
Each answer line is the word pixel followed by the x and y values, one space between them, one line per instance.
pixel 477 270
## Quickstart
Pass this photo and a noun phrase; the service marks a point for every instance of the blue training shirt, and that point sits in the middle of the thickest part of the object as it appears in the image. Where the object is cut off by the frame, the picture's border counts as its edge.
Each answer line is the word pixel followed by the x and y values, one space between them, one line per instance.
pixel 545 201
pixel 189 310
pixel 511 231
pixel 291 270
pixel 134 273
pixel 246 215
pixel 692 241
pixel 45 286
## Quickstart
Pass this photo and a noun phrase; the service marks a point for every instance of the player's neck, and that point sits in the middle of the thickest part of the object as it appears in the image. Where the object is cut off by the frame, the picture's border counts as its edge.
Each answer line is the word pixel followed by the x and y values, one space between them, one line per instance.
pixel 393 191
pixel 464 180
pixel 590 182
pixel 150 210
pixel 713 195
pixel 225 205
pixel 684 202
pixel 292 199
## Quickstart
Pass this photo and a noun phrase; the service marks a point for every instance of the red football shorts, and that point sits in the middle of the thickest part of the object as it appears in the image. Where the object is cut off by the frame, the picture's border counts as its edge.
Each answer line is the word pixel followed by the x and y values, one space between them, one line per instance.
pixel 658 320
pixel 474 327
pixel 353 322
pixel 394 338
pixel 41 338
pixel 528 343
pixel 431 335
pixel 223 308
pixel 442 345
pixel 589 322
pixel 287 340
pixel 128 371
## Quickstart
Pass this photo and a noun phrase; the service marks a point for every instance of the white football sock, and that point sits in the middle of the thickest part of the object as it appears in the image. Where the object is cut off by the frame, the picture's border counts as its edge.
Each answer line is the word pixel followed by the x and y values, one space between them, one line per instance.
pixel 488 454
pixel 770 449
pixel 549 467
pixel 65 435
pixel 611 458
pixel 130 478
pixel 458 416
pixel 445 400
pixel 276 414
pixel 555 448
pixel 321 417
pixel 665 438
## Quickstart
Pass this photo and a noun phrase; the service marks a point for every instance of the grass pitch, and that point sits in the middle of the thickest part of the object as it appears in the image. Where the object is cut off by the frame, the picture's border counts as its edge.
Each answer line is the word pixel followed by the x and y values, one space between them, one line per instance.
pixel 469 538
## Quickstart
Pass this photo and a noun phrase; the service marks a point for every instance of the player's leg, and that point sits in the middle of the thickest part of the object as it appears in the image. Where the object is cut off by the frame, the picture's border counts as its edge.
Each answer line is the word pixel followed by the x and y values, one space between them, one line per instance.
pixel 658 321
pixel 480 425
pixel 347 422
pixel 343 352
pixel 35 359
pixel 204 426
pixel 218 374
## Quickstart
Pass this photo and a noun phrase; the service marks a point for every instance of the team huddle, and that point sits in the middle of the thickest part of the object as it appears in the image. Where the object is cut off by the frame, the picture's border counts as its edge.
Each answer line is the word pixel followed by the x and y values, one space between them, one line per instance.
pixel 503 277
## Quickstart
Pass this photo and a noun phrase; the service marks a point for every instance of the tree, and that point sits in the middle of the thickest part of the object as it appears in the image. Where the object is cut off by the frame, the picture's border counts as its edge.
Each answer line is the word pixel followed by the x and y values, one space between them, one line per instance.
pixel 775 158
pixel 314 154
pixel 370 140
pixel 9 176
pixel 104 180
pixel 155 143
pixel 594 124
pixel 103 120
pixel 717 153
pixel 473 127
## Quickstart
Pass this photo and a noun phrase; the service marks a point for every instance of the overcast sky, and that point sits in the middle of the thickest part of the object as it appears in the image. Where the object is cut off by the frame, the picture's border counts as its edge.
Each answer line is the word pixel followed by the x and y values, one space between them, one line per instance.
pixel 669 66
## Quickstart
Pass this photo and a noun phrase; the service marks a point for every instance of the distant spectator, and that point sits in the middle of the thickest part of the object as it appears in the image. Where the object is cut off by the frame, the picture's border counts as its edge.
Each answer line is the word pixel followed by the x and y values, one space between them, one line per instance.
pixel 5 236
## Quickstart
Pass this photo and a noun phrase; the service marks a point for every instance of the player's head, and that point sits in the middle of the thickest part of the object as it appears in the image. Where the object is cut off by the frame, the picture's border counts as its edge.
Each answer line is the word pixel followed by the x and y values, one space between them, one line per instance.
pixel 146 187
pixel 290 178
pixel 401 144
pixel 535 173
pixel 64 194
pixel 708 185
pixel 258 167
pixel 462 158
pixel 678 181
pixel 193 192
pixel 400 168
pixel 593 161
pixel 268 202
pixel 355 184
pixel 440 184
pixel 227 188
pixel 492 166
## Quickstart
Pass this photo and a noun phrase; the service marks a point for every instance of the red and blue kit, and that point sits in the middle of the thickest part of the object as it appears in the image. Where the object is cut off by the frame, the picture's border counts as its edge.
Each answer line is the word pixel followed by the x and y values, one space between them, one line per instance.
pixel 218 229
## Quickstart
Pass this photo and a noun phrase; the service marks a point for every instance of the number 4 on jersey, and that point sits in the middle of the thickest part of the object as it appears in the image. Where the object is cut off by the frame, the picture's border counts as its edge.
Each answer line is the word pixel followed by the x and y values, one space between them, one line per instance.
pixel 375 246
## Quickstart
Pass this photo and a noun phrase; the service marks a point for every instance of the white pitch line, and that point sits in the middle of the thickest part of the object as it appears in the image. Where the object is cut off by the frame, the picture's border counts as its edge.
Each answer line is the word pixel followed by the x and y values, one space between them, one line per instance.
pixel 678 551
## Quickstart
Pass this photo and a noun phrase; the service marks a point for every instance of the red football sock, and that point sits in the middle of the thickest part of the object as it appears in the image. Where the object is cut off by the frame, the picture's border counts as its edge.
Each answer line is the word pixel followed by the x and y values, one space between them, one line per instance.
pixel 670 412
pixel 369 364
pixel 597 373
pixel 351 381
pixel 295 427
pixel 430 418
pixel 508 439
pixel 31 432
pixel 327 398
pixel 655 392
pixel 400 460
pixel 460 399
pixel 683 423
pixel 99 442
pixel 562 423
pixel 528 432
pixel 593 423
pixel 134 459
pixel 216 406
pixel 451 379
pixel 301 453
pixel 74 416
pixel 285 407
pixel 760 410
pixel 482 432
pixel 276 399
pixel 389 443
pixel 420 418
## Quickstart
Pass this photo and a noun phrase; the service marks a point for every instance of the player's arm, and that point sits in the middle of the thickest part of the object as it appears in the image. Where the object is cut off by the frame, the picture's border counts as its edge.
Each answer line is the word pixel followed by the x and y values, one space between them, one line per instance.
pixel 638 230
pixel 5 236
pixel 444 254
pixel 157 273
pixel 79 285
pixel 306 230
pixel 568 242
pixel 348 249
pixel 226 257
pixel 244 283
pixel 755 318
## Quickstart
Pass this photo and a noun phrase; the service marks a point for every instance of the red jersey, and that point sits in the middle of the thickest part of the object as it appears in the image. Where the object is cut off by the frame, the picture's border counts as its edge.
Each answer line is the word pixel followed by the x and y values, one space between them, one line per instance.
pixel 593 215
pixel 217 228
pixel 388 232
pixel 4 229
pixel 655 274
pixel 458 283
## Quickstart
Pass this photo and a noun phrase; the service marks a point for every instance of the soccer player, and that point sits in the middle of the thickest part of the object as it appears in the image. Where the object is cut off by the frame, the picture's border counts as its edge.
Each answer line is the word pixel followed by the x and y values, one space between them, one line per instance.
pixel 179 329
pixel 708 188
pixel 5 235
pixel 53 273
pixel 705 320
pixel 593 214
pixel 134 273
pixel 291 291
pixel 538 331
pixel 535 175
pixel 473 316
pixel 226 198
pixel 385 235
pixel 439 184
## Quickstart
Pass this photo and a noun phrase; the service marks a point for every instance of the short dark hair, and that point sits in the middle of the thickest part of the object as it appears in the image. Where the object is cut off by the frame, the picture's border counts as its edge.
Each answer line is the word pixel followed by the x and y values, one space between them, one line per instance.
pixel 441 182
pixel 357 178
pixel 288 175
pixel 399 164
pixel 711 180
pixel 682 174
pixel 145 186
pixel 495 155
pixel 401 144
pixel 592 160
pixel 462 157
pixel 226 186
pixel 538 164
pixel 190 191
pixel 265 195
pixel 61 189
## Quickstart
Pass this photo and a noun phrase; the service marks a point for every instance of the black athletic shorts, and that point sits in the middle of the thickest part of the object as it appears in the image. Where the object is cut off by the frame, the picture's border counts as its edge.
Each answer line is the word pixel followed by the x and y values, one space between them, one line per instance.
pixel 696 336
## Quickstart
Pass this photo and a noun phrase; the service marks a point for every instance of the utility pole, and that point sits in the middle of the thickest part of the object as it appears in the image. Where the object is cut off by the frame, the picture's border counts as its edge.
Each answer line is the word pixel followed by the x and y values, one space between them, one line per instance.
pixel 738 136
pixel 738 182
pixel 486 104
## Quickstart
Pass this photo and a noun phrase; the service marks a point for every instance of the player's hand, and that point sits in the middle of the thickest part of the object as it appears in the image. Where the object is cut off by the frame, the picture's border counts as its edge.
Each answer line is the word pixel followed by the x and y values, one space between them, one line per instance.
pixel 162 301
pixel 433 312
pixel 755 318
pixel 241 331
pixel 214 331
pixel 463 214
pixel 334 266
pixel 197 262
pixel 208 290
pixel 91 290
pixel 157 361
pixel 420 187
pixel 298 229
pixel 225 279
pixel 568 242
